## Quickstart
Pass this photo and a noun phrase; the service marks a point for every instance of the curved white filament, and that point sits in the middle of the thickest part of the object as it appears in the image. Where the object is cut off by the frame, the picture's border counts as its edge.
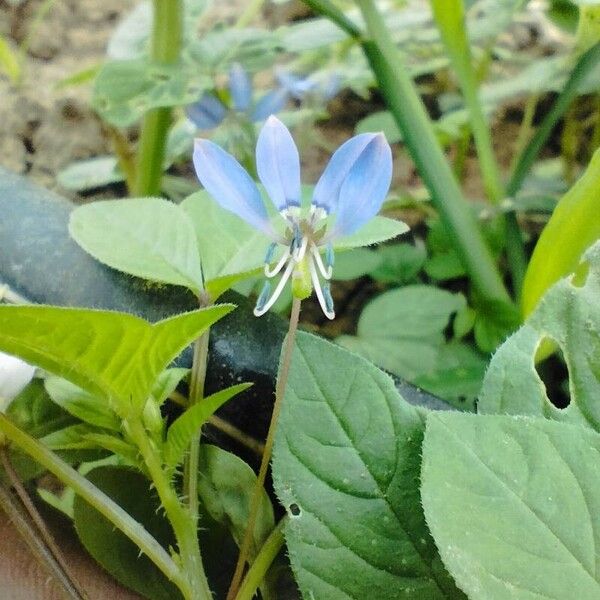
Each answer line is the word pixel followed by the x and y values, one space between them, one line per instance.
pixel 325 272
pixel 317 285
pixel 299 253
pixel 259 312
pixel 277 268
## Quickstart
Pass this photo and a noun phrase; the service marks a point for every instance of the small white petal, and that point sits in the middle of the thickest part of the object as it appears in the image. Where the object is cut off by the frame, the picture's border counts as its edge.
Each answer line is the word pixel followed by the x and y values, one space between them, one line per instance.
pixel 15 374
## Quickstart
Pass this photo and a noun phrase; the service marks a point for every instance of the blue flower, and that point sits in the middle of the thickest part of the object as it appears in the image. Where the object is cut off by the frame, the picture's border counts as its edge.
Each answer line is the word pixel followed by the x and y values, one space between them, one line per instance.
pixel 210 111
pixel 351 190
pixel 324 85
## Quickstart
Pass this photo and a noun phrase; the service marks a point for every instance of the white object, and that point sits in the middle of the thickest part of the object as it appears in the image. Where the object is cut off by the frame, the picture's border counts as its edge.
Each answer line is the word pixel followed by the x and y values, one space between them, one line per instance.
pixel 15 374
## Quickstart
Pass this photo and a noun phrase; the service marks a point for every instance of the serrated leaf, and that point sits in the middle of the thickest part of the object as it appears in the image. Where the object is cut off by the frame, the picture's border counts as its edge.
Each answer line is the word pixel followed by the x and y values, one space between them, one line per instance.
pixel 512 505
pixel 167 382
pixel 346 464
pixel 115 355
pixel 567 315
pixel 82 404
pixel 225 486
pixel 146 237
pixel 402 330
pixel 186 426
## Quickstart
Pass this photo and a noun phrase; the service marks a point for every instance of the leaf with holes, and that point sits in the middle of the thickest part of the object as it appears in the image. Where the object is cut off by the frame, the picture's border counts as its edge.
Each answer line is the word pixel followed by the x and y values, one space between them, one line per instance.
pixel 570 316
pixel 113 355
pixel 513 505
pixel 346 466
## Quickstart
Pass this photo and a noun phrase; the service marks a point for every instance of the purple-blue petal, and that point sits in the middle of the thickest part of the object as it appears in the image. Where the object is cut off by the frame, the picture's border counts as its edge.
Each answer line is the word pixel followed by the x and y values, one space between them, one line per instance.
pixel 229 184
pixel 240 87
pixel 365 187
pixel 270 104
pixel 296 85
pixel 207 113
pixel 278 164
pixel 327 191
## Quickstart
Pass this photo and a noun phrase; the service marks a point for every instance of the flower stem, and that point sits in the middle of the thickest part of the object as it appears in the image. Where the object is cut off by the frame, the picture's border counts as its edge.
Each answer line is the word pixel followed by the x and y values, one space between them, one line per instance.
pixel 184 527
pixel 35 516
pixel 165 48
pixel 284 369
pixel 262 563
pixel 98 500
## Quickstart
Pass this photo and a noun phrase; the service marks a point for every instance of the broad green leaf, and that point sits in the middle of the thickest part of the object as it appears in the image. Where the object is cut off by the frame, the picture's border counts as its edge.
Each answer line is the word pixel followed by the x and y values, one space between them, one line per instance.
pixel 81 404
pixel 495 320
pixel 226 485
pixel 117 554
pixel 512 504
pixel 69 438
pixel 125 89
pixel 146 237
pixel 115 355
pixel 569 316
pixel 402 330
pixel 573 227
pixel 400 263
pixel 186 426
pixel 346 467
pixel 231 250
pixel 355 263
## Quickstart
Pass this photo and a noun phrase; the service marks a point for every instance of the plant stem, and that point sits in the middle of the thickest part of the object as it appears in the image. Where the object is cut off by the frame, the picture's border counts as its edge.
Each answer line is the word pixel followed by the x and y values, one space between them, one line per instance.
pixel 165 48
pixel 282 378
pixel 184 527
pixel 262 563
pixel 409 112
pixel 98 500
pixel 198 378
pixel 249 14
pixel 35 516
pixel 27 531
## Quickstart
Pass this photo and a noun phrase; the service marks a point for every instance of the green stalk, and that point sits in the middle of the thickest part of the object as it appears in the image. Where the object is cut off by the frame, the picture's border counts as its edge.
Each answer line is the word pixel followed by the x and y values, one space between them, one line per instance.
pixel 184 527
pixel 409 112
pixel 165 48
pixel 98 500
pixel 262 563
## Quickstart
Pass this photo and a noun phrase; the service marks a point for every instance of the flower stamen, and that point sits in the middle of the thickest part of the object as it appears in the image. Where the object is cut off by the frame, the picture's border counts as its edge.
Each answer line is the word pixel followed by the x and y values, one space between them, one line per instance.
pixel 277 268
pixel 261 308
pixel 325 272
pixel 325 299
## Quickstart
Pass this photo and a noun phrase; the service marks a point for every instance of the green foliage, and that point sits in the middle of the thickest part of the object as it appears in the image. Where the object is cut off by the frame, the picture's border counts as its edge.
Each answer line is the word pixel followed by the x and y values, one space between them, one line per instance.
pixel 512 505
pixel 147 237
pixel 113 355
pixel 117 554
pixel 225 485
pixel 346 463
pixel 574 226
pixel 402 330
pixel 568 316
pixel 182 431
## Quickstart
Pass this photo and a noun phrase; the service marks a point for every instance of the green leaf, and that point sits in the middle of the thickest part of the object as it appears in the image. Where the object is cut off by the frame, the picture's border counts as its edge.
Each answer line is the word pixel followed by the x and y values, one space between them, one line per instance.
pixel 355 263
pixel 113 355
pixel 117 554
pixel 146 237
pixel 573 227
pixel 400 263
pixel 569 316
pixel 494 322
pixel 182 431
pixel 346 467
pixel 125 89
pixel 226 485
pixel 167 382
pixel 402 331
pixel 512 504
pixel 81 404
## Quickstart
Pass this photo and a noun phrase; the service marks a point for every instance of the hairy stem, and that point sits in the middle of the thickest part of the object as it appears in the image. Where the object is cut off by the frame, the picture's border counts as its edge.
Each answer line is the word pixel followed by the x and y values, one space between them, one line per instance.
pixel 98 500
pixel 284 370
